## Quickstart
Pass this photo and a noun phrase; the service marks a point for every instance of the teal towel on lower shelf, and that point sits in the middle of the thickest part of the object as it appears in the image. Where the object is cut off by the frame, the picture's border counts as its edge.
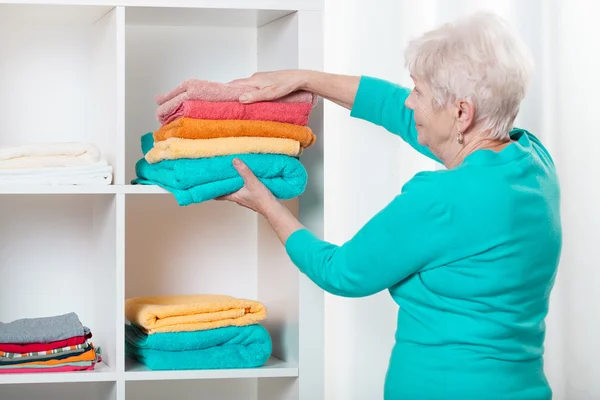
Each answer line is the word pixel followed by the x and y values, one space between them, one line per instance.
pixel 221 348
pixel 202 179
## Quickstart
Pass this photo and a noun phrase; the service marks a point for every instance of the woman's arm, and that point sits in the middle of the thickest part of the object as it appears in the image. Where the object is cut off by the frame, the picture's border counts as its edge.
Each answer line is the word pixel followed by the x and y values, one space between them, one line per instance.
pixel 382 103
pixel 340 89
pixel 412 234
pixel 374 100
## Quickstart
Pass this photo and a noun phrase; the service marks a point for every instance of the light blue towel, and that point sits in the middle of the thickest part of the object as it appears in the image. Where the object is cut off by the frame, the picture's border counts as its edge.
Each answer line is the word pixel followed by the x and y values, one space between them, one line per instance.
pixel 221 348
pixel 202 179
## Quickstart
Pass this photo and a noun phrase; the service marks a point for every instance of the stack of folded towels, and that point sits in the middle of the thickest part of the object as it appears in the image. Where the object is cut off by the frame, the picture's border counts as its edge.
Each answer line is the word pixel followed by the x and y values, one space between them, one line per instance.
pixel 61 163
pixel 46 344
pixel 196 332
pixel 204 127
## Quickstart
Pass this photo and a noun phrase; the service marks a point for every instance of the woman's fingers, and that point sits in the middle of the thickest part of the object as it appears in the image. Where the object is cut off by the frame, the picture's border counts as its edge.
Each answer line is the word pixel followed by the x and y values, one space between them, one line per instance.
pixel 268 86
pixel 245 172
pixel 265 94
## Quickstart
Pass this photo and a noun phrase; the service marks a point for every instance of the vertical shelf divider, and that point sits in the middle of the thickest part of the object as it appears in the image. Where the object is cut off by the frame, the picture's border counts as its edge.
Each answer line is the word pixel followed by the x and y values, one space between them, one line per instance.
pixel 120 100
pixel 120 292
pixel 121 199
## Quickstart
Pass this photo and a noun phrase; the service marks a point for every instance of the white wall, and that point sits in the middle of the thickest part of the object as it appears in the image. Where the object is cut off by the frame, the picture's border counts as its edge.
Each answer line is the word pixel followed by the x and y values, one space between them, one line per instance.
pixel 368 37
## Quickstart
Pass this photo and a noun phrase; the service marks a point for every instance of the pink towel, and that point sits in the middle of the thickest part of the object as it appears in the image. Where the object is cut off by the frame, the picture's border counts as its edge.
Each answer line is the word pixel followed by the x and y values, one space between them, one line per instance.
pixel 291 113
pixel 194 89
pixel 64 368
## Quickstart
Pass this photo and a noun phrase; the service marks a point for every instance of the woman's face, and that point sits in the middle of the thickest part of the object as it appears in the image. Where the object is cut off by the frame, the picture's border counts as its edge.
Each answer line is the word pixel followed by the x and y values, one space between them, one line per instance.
pixel 435 128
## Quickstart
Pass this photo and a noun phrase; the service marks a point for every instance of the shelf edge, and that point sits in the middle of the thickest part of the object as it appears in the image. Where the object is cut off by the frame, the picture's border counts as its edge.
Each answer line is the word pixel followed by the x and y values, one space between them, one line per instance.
pixel 295 5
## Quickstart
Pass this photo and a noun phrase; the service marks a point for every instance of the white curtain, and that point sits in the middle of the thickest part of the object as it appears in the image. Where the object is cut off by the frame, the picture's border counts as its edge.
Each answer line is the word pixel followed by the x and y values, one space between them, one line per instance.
pixel 365 167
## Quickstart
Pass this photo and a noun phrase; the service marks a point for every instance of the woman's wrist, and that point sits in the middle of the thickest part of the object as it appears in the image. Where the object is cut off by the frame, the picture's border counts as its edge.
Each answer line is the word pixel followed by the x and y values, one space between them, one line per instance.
pixel 281 220
pixel 340 89
pixel 306 79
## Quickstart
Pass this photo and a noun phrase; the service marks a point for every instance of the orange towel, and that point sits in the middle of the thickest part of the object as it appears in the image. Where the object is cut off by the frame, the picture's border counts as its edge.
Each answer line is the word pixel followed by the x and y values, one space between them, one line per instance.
pixel 89 355
pixel 188 128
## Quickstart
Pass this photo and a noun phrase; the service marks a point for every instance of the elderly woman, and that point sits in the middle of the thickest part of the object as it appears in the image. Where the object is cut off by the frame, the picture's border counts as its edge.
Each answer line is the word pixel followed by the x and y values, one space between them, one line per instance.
pixel 468 253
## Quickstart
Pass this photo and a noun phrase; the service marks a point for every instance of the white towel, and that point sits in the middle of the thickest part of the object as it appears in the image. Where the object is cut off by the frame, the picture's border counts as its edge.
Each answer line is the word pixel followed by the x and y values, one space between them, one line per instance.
pixel 99 173
pixel 40 155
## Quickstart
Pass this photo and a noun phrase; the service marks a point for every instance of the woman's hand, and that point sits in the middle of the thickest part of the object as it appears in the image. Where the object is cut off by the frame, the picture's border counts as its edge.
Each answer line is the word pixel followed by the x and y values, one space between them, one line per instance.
pixel 272 85
pixel 340 89
pixel 254 194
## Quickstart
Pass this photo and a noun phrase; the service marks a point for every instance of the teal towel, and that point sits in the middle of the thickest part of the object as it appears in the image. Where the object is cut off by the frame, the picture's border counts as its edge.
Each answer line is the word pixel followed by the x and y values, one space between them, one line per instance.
pixel 202 179
pixel 221 348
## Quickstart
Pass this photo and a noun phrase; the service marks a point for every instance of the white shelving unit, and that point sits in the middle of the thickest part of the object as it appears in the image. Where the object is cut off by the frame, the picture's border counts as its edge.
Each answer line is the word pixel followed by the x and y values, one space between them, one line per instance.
pixel 88 70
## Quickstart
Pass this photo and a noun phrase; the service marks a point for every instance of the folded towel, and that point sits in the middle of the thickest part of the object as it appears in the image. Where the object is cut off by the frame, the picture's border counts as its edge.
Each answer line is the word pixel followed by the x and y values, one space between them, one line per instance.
pixel 7 356
pixel 87 354
pixel 186 313
pixel 195 89
pixel 228 347
pixel 292 113
pixel 69 367
pixel 42 347
pixel 189 128
pixel 202 179
pixel 44 368
pixel 43 329
pixel 99 173
pixel 68 154
pixel 176 148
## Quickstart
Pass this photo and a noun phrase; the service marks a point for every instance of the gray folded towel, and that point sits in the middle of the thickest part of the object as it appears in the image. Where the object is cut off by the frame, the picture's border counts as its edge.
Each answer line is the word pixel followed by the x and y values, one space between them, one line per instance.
pixel 41 330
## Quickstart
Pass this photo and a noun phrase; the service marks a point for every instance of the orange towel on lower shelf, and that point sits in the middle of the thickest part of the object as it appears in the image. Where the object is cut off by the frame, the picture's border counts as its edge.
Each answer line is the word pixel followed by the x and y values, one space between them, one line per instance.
pixel 189 128
pixel 185 313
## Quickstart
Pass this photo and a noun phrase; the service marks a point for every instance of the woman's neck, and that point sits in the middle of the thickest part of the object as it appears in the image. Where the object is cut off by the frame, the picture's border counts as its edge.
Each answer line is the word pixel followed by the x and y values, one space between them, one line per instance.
pixel 477 143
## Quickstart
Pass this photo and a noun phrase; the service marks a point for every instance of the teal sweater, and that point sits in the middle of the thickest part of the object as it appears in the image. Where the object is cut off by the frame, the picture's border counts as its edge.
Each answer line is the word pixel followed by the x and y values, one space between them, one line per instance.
pixel 469 255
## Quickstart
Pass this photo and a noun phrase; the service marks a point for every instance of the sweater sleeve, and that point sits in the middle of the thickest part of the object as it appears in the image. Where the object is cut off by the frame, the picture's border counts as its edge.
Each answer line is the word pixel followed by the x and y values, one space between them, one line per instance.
pixel 382 103
pixel 411 234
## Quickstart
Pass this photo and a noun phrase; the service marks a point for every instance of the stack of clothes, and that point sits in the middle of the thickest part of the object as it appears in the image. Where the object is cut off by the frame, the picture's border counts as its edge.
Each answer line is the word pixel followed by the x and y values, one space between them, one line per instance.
pixel 196 332
pixel 61 163
pixel 47 344
pixel 204 127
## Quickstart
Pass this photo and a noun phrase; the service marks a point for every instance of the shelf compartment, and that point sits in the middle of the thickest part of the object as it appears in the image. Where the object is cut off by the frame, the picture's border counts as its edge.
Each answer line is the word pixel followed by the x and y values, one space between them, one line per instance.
pixel 274 368
pixel 60 391
pixel 206 17
pixel 222 389
pixel 101 373
pixel 210 248
pixel 199 249
pixel 166 46
pixel 58 74
pixel 58 255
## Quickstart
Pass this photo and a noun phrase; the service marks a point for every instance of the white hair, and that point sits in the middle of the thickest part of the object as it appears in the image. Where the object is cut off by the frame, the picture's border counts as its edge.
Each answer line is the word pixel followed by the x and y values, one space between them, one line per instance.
pixel 477 58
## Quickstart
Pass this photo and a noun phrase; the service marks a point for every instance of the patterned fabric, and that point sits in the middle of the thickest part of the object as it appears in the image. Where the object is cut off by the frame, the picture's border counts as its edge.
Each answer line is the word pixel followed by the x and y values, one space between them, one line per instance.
pixel 37 354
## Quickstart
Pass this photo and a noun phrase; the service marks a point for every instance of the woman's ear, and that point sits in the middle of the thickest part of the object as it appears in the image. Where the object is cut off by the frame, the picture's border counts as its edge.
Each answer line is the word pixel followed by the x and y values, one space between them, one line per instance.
pixel 465 115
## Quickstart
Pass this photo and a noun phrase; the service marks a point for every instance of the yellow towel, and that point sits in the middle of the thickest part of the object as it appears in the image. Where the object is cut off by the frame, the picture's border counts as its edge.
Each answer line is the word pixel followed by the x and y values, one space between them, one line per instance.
pixel 174 148
pixel 186 313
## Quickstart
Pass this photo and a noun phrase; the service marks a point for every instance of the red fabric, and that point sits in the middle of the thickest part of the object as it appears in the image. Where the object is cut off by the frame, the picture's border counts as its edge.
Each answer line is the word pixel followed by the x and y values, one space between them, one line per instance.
pixel 291 113
pixel 33 347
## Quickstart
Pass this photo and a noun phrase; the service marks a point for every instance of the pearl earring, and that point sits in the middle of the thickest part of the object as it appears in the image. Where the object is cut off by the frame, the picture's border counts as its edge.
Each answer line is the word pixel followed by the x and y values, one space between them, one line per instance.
pixel 460 138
